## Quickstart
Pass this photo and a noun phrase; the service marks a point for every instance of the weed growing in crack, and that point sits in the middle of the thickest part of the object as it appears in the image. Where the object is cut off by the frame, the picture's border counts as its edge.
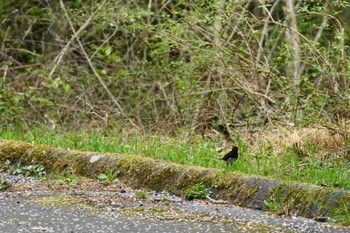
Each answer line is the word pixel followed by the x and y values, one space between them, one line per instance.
pixel 197 191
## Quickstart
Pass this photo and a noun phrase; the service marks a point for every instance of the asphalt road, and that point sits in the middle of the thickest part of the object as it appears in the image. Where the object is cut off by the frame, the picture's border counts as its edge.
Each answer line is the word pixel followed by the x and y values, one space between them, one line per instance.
pixel 87 205
pixel 23 215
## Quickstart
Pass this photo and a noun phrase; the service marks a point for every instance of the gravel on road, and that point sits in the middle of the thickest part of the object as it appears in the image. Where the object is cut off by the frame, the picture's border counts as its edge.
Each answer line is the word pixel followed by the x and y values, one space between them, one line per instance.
pixel 88 205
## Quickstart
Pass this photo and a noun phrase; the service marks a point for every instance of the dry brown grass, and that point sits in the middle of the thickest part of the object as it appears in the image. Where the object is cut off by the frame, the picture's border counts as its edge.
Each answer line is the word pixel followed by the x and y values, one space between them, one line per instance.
pixel 325 140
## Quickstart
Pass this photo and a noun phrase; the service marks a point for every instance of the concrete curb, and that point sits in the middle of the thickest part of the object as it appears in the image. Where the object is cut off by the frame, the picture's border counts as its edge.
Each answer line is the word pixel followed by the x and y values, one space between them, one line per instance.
pixel 286 197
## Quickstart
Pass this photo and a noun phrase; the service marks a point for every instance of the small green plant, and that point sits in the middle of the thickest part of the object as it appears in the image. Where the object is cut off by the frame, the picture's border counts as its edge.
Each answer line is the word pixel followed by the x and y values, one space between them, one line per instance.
pixel 4 184
pixel 67 178
pixel 17 169
pixel 165 202
pixel 110 176
pixel 271 205
pixel 30 170
pixel 197 191
pixel 70 179
pixel 35 170
pixel 6 164
pixel 278 205
pixel 140 194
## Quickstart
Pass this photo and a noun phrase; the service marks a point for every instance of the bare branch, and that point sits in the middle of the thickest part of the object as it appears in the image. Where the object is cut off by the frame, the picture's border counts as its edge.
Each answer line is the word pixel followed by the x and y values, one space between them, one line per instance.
pixel 87 56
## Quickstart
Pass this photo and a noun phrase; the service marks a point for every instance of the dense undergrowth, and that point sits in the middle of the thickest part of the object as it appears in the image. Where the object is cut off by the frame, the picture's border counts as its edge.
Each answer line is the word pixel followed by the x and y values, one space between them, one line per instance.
pixel 165 64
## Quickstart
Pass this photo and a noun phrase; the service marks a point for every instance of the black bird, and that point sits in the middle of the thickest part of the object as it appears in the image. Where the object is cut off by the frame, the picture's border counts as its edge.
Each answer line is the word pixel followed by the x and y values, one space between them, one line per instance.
pixel 232 156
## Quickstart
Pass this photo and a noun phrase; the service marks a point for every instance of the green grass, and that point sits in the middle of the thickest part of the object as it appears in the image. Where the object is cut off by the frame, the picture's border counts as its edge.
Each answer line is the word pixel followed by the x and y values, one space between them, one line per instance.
pixel 200 152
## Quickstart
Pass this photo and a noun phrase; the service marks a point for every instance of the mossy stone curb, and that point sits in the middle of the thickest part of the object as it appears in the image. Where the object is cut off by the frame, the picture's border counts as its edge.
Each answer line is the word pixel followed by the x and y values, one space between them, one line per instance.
pixel 142 172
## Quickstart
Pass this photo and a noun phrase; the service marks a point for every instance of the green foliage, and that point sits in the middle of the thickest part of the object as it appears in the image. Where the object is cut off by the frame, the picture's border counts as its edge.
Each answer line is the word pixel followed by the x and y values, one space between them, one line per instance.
pixel 197 191
pixel 30 170
pixel 68 179
pixel 110 176
pixel 271 205
pixel 341 215
pixel 6 164
pixel 140 194
pixel 174 62
pixel 4 184
pixel 10 107
pixel 34 170
pixel 277 205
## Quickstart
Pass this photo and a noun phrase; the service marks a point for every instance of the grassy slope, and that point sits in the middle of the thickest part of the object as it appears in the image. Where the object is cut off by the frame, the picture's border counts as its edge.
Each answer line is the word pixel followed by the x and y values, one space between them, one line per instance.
pixel 331 171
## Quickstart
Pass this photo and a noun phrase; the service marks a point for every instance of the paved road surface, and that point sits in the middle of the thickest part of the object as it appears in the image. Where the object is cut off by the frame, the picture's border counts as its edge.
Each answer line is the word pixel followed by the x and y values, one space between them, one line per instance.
pixel 87 205
pixel 22 215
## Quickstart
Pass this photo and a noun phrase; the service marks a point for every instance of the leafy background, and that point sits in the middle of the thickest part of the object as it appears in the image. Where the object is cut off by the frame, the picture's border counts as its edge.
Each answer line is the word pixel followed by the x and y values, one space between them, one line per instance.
pixel 200 64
